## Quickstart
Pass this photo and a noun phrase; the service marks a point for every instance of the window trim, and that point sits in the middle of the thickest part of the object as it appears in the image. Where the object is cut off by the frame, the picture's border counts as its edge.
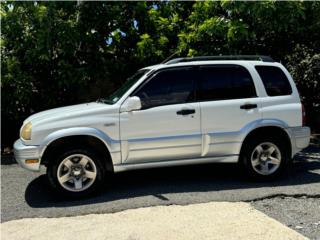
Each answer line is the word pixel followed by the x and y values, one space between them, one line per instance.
pixel 155 73
pixel 223 65
pixel 264 86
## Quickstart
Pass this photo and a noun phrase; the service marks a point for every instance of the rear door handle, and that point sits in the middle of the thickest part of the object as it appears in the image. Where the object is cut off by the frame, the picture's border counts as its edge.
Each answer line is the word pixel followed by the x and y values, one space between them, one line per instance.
pixel 248 106
pixel 186 112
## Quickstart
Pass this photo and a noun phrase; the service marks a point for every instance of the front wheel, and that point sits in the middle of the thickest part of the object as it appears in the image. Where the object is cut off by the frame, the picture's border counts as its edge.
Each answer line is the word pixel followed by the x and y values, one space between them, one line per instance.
pixel 264 158
pixel 76 173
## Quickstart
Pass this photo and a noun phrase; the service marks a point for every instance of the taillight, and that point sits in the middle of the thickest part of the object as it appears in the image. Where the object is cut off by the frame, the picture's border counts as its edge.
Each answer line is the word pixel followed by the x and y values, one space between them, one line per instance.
pixel 303 111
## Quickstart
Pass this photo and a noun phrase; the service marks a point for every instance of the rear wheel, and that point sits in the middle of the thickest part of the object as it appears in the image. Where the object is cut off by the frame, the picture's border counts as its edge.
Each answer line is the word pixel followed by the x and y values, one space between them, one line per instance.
pixel 264 157
pixel 76 173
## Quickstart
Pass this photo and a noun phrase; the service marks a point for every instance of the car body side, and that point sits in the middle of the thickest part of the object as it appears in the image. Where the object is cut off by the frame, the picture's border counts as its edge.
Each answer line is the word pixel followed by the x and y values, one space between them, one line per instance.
pixel 105 122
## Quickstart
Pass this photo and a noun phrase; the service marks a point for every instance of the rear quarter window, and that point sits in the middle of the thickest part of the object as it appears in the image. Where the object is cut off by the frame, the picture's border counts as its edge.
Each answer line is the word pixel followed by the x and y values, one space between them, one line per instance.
pixel 274 80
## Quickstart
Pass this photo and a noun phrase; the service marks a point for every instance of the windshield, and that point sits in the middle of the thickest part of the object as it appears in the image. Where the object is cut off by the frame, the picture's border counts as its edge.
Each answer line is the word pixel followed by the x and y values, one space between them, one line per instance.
pixel 114 97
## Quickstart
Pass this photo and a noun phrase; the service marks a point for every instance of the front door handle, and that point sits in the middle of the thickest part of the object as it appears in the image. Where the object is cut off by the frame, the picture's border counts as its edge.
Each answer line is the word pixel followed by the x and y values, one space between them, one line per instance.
pixel 248 106
pixel 186 112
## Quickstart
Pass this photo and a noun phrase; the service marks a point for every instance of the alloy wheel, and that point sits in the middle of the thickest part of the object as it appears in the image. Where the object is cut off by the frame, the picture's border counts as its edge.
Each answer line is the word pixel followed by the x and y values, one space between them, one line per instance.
pixel 266 158
pixel 76 172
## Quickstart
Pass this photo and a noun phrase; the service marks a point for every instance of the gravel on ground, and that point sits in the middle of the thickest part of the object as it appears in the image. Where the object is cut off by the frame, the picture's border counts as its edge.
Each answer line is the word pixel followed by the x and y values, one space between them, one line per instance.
pixel 299 213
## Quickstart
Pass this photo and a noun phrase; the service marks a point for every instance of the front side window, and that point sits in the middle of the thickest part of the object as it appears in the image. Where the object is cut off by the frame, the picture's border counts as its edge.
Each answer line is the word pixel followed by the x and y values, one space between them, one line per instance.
pixel 274 80
pixel 225 82
pixel 174 86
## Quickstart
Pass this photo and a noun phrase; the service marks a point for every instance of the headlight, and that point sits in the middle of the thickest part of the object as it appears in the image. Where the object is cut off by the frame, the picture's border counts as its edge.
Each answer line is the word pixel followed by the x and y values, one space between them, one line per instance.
pixel 26 131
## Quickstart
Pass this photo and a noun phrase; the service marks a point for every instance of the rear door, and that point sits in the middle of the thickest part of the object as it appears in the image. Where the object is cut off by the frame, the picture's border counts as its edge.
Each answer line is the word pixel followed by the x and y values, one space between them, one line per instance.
pixel 228 102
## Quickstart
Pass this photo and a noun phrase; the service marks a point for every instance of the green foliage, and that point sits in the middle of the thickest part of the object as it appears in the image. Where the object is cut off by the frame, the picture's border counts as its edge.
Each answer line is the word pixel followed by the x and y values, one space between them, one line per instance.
pixel 304 66
pixel 233 27
pixel 60 53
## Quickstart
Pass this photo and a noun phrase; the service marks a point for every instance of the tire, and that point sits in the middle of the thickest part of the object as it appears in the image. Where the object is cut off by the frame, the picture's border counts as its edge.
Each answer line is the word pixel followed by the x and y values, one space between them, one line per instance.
pixel 264 158
pixel 76 173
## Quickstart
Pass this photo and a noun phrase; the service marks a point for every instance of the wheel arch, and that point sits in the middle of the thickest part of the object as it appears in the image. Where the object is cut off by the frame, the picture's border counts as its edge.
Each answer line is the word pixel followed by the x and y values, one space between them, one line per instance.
pixel 79 137
pixel 268 130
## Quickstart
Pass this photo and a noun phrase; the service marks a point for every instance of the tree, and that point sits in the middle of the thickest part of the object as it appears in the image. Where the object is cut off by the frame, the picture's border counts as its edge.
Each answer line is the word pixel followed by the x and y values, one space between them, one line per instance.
pixel 38 64
pixel 61 53
pixel 304 66
pixel 268 27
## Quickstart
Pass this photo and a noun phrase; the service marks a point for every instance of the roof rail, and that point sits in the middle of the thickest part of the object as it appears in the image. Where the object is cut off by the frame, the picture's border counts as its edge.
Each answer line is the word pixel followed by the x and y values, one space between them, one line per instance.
pixel 222 57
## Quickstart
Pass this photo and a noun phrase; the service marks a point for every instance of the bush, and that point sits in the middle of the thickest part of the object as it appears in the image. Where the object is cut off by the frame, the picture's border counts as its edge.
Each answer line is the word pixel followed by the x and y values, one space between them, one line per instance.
pixel 304 66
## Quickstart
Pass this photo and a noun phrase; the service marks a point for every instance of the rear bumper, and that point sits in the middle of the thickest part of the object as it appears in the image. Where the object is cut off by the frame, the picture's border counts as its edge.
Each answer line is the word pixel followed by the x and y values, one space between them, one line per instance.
pixel 300 138
pixel 23 152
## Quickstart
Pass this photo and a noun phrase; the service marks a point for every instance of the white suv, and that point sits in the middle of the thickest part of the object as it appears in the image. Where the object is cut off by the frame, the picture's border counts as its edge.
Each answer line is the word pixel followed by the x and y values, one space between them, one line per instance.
pixel 228 109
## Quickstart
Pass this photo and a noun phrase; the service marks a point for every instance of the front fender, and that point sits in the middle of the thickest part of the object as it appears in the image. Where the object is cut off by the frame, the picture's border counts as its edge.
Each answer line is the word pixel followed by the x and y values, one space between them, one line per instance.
pixel 112 145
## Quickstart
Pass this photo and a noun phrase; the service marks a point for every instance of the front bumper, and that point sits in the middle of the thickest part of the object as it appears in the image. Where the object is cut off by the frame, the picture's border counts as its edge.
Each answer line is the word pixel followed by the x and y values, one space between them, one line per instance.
pixel 23 152
pixel 300 138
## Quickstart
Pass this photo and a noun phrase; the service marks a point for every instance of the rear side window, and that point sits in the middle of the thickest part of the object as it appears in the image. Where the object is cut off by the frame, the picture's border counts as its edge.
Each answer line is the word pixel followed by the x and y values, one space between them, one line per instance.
pixel 274 80
pixel 174 86
pixel 225 82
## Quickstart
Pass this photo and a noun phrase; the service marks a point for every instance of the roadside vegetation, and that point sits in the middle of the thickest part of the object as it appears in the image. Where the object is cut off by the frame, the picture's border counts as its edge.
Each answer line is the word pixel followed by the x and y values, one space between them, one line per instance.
pixel 61 53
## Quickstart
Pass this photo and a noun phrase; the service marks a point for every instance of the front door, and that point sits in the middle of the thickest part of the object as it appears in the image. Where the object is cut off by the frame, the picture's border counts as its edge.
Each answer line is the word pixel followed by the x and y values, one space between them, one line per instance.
pixel 168 125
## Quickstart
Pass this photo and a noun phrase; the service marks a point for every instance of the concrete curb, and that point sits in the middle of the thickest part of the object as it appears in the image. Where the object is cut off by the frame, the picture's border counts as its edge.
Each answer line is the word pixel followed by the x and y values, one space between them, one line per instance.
pixel 215 220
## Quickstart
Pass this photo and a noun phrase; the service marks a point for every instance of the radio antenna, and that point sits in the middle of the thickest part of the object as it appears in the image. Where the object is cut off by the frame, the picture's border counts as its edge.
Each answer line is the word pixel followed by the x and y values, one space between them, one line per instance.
pixel 170 57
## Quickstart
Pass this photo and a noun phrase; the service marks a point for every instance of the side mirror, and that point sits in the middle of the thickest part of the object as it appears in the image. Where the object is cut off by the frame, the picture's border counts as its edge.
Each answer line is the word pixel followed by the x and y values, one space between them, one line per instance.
pixel 132 103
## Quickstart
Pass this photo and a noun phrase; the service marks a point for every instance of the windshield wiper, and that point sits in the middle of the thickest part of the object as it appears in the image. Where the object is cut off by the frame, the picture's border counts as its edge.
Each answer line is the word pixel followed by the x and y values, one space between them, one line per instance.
pixel 103 100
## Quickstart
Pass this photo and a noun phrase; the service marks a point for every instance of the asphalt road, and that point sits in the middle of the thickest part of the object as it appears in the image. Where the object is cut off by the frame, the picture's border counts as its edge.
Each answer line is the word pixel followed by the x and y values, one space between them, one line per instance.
pixel 293 199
